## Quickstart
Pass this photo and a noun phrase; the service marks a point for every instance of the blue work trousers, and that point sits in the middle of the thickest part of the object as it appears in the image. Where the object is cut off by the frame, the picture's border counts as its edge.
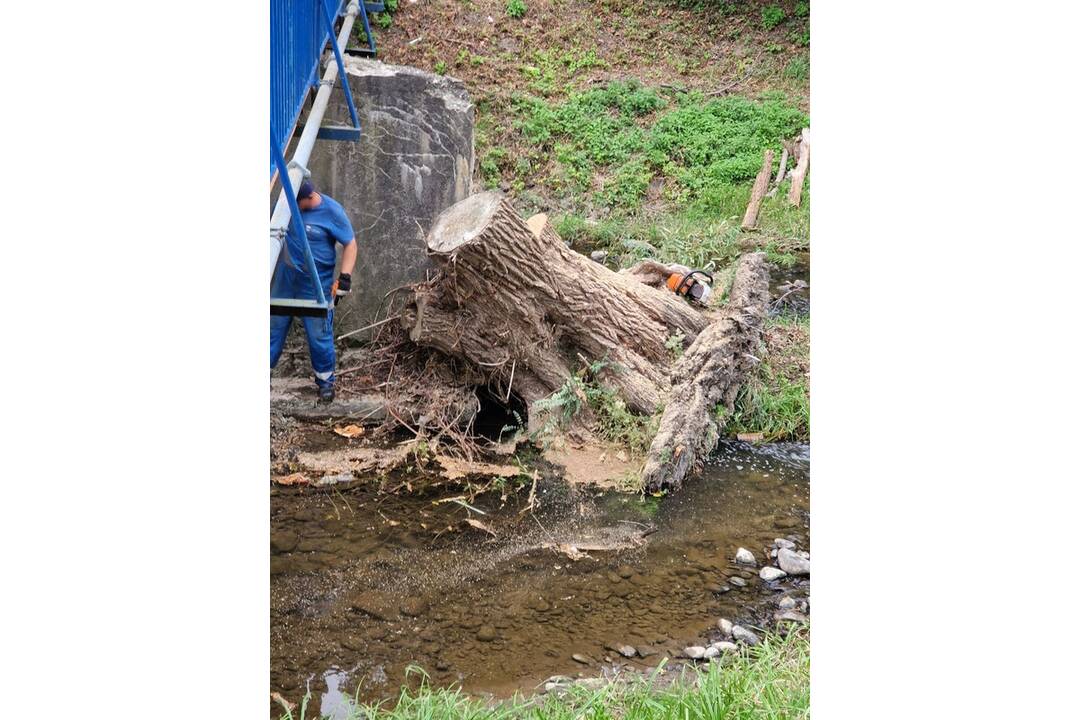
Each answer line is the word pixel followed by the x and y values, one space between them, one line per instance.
pixel 292 283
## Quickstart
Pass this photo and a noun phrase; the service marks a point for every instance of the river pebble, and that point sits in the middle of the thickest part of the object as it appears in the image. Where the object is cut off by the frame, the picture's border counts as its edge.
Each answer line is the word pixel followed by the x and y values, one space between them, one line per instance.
pixel 625 572
pixel 743 635
pixel 787 603
pixel 486 633
pixel 711 652
pixel 769 574
pixel 578 657
pixel 694 652
pixel 745 557
pixel 724 646
pixel 725 626
pixel 784 544
pixel 791 616
pixel 793 563
pixel 627 651
pixel 737 581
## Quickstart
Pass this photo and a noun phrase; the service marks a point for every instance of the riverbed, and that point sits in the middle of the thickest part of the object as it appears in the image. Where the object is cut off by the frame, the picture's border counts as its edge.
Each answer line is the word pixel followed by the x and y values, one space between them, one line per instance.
pixel 485 594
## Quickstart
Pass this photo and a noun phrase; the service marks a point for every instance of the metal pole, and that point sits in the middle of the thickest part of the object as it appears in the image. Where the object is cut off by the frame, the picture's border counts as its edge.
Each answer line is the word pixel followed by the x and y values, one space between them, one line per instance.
pixel 279 221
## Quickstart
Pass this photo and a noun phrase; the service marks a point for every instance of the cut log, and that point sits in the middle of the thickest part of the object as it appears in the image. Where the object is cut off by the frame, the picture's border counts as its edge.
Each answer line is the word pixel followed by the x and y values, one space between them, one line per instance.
pixel 761 184
pixel 519 303
pixel 798 175
pixel 709 374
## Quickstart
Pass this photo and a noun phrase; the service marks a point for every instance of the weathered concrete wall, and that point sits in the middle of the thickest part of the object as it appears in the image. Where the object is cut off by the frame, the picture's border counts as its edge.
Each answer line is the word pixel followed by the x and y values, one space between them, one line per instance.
pixel 414 160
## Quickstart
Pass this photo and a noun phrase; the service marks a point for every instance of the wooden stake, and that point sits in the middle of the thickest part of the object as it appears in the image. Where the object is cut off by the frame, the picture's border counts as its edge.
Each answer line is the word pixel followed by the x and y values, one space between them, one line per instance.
pixel 798 175
pixel 783 167
pixel 761 184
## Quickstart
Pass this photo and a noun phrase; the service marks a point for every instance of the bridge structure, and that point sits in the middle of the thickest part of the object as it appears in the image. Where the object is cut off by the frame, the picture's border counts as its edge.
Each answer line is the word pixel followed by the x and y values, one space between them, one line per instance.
pixel 301 32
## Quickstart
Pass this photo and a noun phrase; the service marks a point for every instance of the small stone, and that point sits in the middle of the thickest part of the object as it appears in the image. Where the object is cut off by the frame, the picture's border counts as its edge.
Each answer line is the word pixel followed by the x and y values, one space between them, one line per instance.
pixel 787 603
pixel 414 607
pixel 745 557
pixel 627 651
pixel 625 572
pixel 581 659
pixel 737 581
pixel 791 616
pixel 725 626
pixel 768 574
pixel 793 563
pixel 711 652
pixel 784 544
pixel 599 255
pixel 743 635
pixel 283 541
pixel 803 554
pixel 772 553
pixel 486 633
pixel 590 683
pixel 645 651
pixel 724 646
pixel 694 652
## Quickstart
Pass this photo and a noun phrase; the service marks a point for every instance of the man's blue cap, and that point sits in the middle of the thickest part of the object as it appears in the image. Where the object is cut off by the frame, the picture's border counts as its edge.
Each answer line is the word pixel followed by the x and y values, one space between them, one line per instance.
pixel 305 191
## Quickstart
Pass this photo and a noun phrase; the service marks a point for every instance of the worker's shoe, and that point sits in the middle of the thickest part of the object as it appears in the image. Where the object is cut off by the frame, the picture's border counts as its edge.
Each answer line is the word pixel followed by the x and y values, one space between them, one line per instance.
pixel 326 394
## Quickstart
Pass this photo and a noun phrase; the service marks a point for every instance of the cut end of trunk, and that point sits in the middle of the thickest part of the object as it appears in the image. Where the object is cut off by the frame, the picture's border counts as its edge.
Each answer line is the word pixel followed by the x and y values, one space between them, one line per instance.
pixel 463 222
pixel 536 223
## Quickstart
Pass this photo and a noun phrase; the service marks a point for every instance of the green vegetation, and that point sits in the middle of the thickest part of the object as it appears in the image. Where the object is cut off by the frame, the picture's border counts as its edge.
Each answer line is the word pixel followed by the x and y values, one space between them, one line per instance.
pixel 616 142
pixel 798 68
pixel 768 682
pixel 440 67
pixel 613 420
pixel 772 16
pixel 384 20
pixel 802 9
pixel 515 8
pixel 776 400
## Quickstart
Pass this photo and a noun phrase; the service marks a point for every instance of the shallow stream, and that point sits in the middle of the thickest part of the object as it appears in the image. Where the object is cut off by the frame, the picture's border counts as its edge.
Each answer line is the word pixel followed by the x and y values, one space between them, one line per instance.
pixel 363 584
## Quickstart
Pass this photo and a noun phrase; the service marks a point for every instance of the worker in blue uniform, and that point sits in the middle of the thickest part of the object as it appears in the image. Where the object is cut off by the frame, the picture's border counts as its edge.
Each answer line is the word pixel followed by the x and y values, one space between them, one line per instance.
pixel 327 226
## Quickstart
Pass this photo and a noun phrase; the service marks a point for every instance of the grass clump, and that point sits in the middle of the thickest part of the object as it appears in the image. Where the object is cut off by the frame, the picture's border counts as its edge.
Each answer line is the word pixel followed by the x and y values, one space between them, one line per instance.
pixel 775 400
pixel 516 8
pixel 609 417
pixel 772 16
pixel 768 682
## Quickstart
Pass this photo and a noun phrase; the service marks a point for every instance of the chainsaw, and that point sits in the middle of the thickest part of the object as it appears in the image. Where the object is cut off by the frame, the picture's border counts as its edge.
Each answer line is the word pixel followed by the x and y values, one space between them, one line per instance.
pixel 691 286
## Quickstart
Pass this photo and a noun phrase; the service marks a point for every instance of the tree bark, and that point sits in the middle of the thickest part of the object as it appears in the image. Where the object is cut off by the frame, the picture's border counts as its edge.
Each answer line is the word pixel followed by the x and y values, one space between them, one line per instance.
pixel 761 184
pixel 519 303
pixel 709 374
pixel 798 175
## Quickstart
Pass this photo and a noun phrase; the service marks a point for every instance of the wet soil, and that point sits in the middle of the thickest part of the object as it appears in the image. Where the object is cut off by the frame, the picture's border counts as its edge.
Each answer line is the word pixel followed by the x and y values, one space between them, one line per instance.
pixel 363 585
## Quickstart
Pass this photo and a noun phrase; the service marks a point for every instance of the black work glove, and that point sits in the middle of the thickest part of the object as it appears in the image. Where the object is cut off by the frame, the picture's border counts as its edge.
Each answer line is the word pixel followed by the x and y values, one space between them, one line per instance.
pixel 344 286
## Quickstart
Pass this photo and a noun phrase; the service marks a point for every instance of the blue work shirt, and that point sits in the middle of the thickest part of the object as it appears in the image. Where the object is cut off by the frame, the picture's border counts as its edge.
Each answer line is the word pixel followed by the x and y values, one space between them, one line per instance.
pixel 325 225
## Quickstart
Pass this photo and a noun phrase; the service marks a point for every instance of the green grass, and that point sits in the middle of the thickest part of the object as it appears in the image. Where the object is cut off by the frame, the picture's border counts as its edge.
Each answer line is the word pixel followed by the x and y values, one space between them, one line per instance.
pixel 768 682
pixel 775 401
pixel 516 8
pixel 613 421
pixel 618 146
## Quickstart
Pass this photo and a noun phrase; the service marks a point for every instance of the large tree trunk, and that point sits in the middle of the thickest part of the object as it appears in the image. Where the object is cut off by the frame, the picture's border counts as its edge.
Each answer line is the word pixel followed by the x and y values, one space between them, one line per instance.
pixel 709 374
pixel 527 309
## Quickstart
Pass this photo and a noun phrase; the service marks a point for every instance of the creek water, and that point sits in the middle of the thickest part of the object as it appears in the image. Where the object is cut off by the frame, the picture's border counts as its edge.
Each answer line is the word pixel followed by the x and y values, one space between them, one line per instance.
pixel 364 585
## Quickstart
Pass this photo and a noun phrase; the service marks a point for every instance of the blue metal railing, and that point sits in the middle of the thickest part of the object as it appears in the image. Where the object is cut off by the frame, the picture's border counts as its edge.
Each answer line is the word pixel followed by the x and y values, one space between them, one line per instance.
pixel 298 36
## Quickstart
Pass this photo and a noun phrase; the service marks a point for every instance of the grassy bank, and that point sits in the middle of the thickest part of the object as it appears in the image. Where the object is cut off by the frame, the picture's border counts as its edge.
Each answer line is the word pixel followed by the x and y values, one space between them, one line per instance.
pixel 775 401
pixel 767 682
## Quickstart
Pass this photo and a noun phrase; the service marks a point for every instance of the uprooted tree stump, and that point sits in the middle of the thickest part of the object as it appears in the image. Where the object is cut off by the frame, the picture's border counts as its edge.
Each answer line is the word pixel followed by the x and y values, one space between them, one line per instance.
pixel 709 374
pixel 515 302
pixel 526 308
